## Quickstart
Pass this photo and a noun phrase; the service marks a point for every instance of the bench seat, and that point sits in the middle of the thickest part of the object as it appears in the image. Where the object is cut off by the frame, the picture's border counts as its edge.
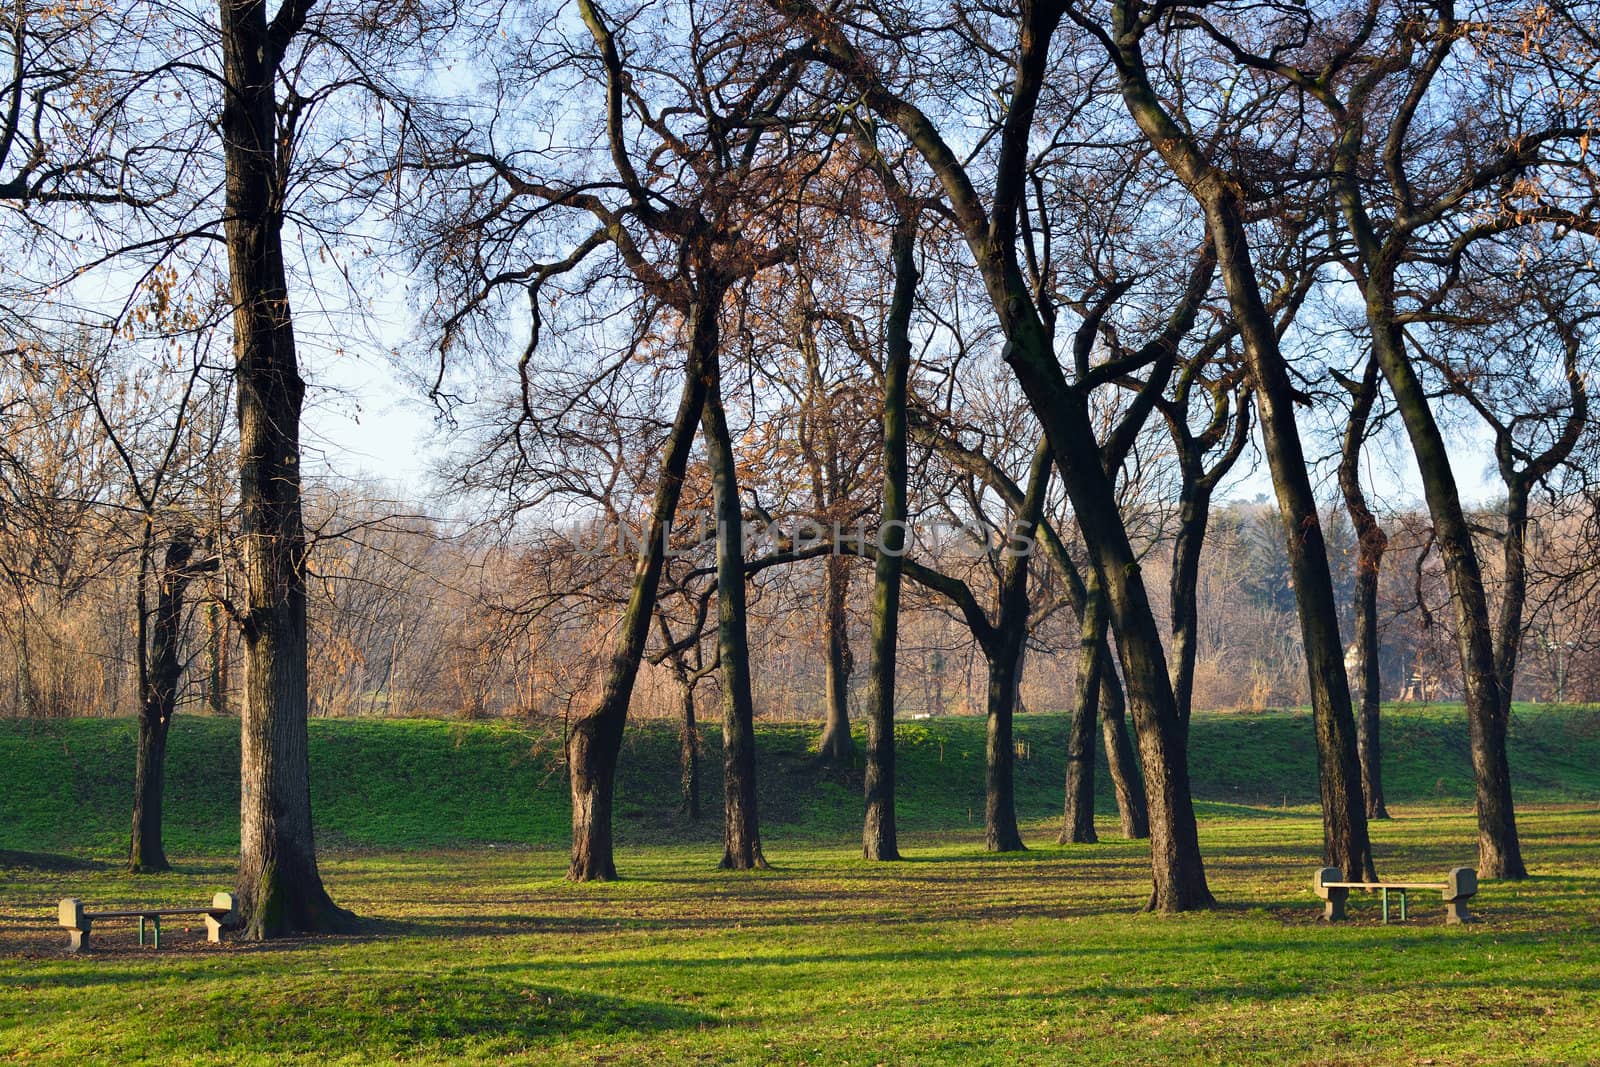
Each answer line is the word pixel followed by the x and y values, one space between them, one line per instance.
pixel 1458 887
pixel 78 920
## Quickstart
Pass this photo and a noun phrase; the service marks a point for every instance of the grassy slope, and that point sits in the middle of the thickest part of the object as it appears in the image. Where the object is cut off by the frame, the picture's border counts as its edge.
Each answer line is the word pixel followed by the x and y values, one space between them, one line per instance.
pixel 66 786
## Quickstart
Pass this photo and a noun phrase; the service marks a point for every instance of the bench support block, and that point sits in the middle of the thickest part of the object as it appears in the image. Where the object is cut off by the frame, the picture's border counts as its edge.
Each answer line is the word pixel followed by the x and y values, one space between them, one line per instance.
pixel 1461 885
pixel 70 915
pixel 214 922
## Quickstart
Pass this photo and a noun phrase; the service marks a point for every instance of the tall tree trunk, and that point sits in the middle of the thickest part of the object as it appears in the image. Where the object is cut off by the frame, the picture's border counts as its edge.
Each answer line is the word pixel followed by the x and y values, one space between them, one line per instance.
pixel 1344 813
pixel 279 887
pixel 1132 810
pixel 741 825
pixel 836 745
pixel 594 743
pixel 157 700
pixel 1499 848
pixel 1345 841
pixel 1077 818
pixel 1177 869
pixel 1371 543
pixel 878 837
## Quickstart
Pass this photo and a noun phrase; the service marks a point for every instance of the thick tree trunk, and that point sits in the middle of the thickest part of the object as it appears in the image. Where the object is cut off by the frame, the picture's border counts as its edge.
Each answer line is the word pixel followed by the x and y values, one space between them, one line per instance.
pixel 741 825
pixel 1077 819
pixel 1004 650
pixel 1178 872
pixel 594 743
pixel 1371 543
pixel 158 699
pixel 878 837
pixel 1499 848
pixel 836 745
pixel 279 887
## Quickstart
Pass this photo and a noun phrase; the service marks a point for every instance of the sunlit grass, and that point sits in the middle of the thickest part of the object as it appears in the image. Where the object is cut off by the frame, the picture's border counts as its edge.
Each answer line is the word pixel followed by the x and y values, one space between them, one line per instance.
pixel 953 956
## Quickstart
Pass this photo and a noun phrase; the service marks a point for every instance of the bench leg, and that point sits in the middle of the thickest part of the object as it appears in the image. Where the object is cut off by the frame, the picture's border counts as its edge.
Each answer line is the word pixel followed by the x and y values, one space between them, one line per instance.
pixel 78 939
pixel 1402 905
pixel 1455 912
pixel 1385 894
pixel 141 931
pixel 156 919
pixel 1333 908
pixel 213 929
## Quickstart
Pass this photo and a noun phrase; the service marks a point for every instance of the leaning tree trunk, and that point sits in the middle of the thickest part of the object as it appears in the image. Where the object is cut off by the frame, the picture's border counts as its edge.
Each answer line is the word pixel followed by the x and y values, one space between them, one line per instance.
pixel 1344 814
pixel 1077 818
pixel 1499 848
pixel 1178 877
pixel 1132 810
pixel 836 745
pixel 594 743
pixel 1371 543
pixel 157 700
pixel 878 837
pixel 279 887
pixel 741 825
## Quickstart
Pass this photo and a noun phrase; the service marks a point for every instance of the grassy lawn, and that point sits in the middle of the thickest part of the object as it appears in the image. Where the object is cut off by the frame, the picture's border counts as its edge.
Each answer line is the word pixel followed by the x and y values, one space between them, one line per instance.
pixel 954 956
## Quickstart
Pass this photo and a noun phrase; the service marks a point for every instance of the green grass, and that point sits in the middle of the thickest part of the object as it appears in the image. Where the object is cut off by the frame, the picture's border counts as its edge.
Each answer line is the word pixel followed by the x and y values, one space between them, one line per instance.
pixel 951 957
pixel 406 784
pixel 473 953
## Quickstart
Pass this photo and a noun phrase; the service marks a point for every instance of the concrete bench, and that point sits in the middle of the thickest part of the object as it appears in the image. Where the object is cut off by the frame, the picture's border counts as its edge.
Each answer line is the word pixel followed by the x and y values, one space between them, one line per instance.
pixel 78 921
pixel 1459 886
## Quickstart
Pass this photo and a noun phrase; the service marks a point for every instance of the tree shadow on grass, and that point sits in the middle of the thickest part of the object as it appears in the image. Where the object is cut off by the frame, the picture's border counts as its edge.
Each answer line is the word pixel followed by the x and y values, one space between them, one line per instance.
pixel 447 1014
pixel 49 861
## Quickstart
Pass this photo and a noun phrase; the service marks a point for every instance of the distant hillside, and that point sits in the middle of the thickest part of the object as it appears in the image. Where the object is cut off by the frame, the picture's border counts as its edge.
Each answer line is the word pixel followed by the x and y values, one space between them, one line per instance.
pixel 66 785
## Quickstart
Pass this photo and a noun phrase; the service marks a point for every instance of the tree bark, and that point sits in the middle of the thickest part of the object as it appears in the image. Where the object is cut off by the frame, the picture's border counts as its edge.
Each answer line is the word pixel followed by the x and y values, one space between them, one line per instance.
pixel 879 840
pixel 1345 841
pixel 741 825
pixel 146 851
pixel 836 745
pixel 1077 819
pixel 1132 809
pixel 1000 831
pixel 1499 848
pixel 594 743
pixel 216 660
pixel 1371 544
pixel 279 887
pixel 689 756
pixel 1344 814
